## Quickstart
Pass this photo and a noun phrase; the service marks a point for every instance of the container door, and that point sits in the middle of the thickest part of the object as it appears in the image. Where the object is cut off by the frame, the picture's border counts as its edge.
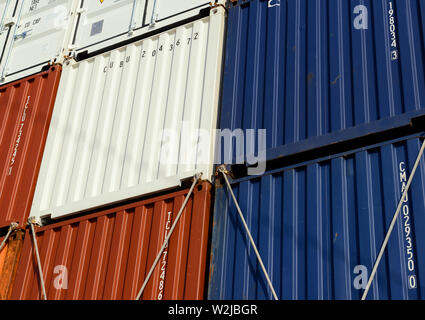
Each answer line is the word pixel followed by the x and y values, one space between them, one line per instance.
pixel 39 37
pixel 7 8
pixel 164 9
pixel 101 20
pixel 103 24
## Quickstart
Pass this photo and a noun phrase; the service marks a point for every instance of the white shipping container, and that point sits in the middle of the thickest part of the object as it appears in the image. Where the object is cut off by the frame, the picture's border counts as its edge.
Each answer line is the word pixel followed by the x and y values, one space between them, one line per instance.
pixel 48 31
pixel 7 21
pixel 40 35
pixel 102 24
pixel 125 122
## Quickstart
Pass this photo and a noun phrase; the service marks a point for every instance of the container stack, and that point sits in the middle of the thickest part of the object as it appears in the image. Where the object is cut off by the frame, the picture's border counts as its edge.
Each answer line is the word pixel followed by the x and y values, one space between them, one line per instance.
pixel 26 109
pixel 340 88
pixel 116 183
pixel 104 166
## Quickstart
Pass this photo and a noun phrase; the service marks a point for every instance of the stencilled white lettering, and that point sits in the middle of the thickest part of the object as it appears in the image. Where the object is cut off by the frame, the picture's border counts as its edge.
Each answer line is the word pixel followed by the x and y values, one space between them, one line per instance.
pixel 407 229
pixel 393 34
pixel 19 137
pixel 164 260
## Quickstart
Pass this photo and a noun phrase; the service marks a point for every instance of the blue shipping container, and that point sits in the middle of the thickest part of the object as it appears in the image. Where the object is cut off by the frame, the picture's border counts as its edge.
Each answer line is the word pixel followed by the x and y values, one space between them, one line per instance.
pixel 319 227
pixel 313 73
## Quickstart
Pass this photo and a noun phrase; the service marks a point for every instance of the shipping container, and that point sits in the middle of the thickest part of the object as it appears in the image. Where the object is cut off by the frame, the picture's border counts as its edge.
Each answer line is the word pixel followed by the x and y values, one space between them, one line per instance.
pixel 102 24
pixel 26 108
pixel 2 255
pixel 133 121
pixel 39 36
pixel 314 73
pixel 320 225
pixel 9 260
pixel 107 255
pixel 7 12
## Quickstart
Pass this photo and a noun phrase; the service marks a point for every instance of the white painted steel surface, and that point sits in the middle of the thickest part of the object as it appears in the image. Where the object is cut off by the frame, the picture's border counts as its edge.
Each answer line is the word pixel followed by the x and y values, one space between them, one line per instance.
pixel 7 10
pixel 106 137
pixel 104 24
pixel 100 21
pixel 7 21
pixel 41 35
pixel 166 9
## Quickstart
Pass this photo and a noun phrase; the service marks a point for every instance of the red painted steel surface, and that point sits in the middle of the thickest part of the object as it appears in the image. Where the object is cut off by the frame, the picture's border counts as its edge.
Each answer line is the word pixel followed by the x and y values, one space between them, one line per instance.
pixel 106 255
pixel 25 111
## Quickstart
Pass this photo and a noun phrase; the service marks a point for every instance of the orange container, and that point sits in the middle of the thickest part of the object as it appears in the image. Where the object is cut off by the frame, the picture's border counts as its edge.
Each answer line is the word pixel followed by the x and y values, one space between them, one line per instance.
pixel 9 258
pixel 25 111
pixel 2 255
pixel 107 254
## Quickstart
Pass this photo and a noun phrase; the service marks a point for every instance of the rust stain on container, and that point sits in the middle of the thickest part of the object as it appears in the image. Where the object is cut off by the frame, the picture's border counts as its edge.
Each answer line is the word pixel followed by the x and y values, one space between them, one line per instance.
pixel 9 259
pixel 25 111
pixel 107 255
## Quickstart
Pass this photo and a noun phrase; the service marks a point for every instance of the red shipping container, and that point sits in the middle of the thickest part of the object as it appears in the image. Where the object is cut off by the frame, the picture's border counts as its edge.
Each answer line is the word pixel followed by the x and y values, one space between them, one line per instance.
pixel 25 111
pixel 107 255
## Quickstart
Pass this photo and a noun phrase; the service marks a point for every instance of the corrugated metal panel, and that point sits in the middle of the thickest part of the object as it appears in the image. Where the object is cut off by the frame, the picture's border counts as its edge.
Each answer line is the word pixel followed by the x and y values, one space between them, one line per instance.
pixel 40 35
pixel 107 255
pixel 104 24
pixel 9 259
pixel 302 69
pixel 99 21
pixel 319 227
pixel 26 108
pixel 106 142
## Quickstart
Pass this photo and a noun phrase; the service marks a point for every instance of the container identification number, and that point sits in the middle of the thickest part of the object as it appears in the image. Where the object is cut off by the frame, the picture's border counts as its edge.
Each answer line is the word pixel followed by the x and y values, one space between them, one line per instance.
pixel 155 52
pixel 164 260
pixel 393 35
pixel 19 137
pixel 407 229
pixel 172 46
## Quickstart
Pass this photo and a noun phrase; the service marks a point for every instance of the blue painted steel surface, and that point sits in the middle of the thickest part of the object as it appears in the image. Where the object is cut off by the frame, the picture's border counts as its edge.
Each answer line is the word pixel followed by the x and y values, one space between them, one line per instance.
pixel 319 227
pixel 310 69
